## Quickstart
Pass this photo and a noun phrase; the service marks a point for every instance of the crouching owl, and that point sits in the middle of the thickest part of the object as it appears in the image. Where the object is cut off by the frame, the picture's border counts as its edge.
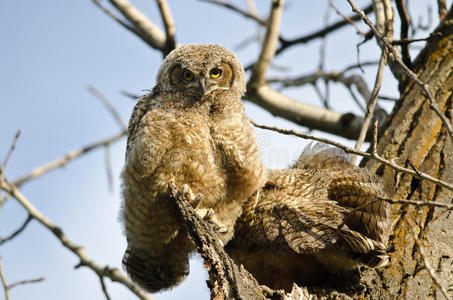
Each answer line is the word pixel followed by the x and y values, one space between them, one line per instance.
pixel 190 130
pixel 320 217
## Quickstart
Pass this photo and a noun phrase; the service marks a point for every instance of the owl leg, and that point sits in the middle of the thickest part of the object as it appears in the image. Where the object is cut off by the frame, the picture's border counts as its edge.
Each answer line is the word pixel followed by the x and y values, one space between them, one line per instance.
pixel 206 214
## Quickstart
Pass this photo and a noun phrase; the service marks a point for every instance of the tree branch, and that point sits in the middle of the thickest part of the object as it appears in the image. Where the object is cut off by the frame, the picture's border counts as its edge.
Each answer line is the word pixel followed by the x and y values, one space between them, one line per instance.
pixel 346 125
pixel 372 102
pixel 58 163
pixel 407 71
pixel 372 155
pixel 17 231
pixel 113 273
pixel 320 33
pixel 267 53
pixel 226 280
pixel 238 10
pixel 404 34
pixel 109 106
pixel 169 24
pixel 141 25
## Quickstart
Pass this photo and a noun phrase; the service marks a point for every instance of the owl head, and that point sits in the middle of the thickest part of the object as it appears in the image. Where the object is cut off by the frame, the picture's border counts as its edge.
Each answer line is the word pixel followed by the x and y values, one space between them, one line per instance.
pixel 202 71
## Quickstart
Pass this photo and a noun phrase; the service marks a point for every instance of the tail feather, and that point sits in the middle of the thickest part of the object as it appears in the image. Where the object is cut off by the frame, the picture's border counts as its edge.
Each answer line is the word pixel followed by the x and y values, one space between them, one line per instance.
pixel 154 273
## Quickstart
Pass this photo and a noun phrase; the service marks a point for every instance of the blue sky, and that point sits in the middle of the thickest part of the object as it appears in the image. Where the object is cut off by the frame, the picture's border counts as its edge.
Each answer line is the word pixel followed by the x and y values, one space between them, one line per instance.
pixel 51 52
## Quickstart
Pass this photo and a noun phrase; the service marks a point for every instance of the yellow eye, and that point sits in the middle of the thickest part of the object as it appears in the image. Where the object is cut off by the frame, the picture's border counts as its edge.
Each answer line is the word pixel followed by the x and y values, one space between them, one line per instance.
pixel 215 73
pixel 187 75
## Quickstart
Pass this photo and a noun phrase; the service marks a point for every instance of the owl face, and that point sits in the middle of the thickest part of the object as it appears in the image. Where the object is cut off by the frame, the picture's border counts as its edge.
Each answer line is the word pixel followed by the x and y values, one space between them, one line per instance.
pixel 200 71
pixel 199 83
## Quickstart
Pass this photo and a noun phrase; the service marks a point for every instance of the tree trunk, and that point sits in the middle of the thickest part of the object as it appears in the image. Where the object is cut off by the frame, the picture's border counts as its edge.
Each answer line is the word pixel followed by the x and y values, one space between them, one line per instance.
pixel 413 131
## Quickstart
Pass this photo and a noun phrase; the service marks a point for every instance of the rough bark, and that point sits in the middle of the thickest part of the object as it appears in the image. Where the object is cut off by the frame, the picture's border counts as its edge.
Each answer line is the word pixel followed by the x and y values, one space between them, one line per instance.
pixel 413 131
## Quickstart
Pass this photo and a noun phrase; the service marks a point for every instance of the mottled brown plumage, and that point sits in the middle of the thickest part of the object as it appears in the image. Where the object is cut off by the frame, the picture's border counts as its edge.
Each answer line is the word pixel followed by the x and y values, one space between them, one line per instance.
pixel 310 220
pixel 191 130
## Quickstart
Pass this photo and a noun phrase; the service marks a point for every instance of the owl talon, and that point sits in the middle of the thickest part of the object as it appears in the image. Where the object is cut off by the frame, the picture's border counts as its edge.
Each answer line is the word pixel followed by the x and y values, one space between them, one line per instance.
pixel 187 193
pixel 222 230
pixel 197 201
pixel 209 215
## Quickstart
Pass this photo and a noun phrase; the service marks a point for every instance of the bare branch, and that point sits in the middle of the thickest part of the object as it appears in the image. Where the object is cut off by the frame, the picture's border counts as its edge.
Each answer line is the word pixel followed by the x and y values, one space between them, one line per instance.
pixel 346 18
pixel 404 34
pixel 426 263
pixel 7 287
pixel 28 281
pixel 143 27
pixel 108 105
pixel 442 8
pixel 8 155
pixel 226 280
pixel 372 102
pixel 349 81
pixel 320 33
pixel 169 25
pixel 17 231
pixel 58 163
pixel 113 273
pixel 346 125
pixel 418 203
pixel 3 279
pixel 104 288
pixel 361 153
pixel 242 12
pixel 115 18
pixel 267 53
pixel 407 71
pixel 108 168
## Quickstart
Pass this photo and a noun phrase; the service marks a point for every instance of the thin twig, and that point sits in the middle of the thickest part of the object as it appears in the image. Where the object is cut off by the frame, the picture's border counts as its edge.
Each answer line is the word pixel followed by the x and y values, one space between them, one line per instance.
pixel 320 33
pixel 371 102
pixel 426 263
pixel 3 279
pixel 108 105
pixel 361 153
pixel 58 163
pixel 8 155
pixel 108 168
pixel 242 12
pixel 104 288
pixel 17 231
pixel 27 281
pixel 113 273
pixel 418 203
pixel 348 81
pixel 346 18
pixel 407 71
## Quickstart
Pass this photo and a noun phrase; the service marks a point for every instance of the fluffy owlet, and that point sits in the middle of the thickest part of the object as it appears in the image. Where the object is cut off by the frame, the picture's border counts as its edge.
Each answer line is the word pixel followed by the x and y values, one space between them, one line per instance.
pixel 321 216
pixel 190 130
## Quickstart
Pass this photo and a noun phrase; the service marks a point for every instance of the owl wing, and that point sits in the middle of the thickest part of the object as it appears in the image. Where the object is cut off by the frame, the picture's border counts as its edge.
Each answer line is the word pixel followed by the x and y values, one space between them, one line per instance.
pixel 351 187
pixel 284 216
pixel 361 190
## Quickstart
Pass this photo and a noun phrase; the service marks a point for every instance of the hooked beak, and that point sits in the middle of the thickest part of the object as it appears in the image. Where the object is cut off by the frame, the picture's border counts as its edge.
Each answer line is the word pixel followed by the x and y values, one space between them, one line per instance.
pixel 202 85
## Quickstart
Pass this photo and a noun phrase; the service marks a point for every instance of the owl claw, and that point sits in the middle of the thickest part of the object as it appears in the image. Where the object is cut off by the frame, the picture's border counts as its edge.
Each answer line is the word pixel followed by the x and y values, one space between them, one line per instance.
pixel 209 215
pixel 187 193
pixel 206 214
pixel 222 230
pixel 197 200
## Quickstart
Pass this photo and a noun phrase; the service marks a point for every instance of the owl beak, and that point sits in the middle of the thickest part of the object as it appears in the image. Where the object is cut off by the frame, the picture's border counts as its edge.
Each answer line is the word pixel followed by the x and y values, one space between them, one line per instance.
pixel 202 85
